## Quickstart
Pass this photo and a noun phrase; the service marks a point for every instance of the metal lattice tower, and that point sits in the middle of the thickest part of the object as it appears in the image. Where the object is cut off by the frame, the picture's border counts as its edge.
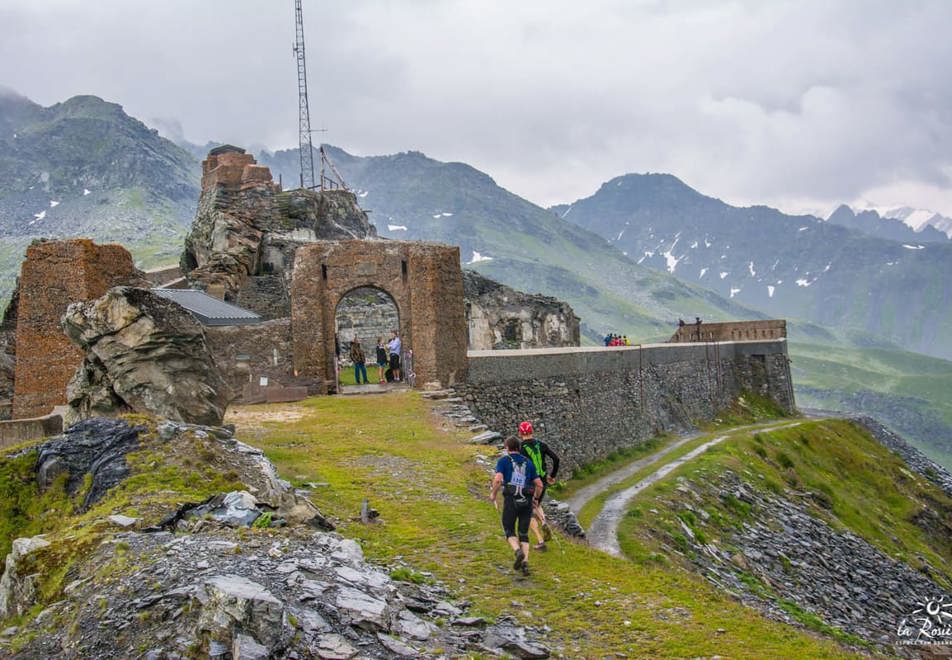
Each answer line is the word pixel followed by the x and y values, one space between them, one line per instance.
pixel 304 113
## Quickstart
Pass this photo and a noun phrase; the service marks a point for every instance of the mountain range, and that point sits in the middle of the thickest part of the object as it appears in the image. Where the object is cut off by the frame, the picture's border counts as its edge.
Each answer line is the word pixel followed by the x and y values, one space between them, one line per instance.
pixel 855 300
pixel 788 266
pixel 85 167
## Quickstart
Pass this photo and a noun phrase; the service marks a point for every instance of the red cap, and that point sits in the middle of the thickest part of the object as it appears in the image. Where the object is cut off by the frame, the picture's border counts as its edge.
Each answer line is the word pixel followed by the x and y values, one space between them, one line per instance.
pixel 525 428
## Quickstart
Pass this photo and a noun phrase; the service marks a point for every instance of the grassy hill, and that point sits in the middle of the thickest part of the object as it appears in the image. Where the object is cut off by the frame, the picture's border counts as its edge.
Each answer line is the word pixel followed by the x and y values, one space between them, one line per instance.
pixel 907 391
pixel 834 471
pixel 430 489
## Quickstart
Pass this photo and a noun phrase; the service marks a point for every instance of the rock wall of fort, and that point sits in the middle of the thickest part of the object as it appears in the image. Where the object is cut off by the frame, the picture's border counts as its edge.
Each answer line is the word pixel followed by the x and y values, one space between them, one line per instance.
pixel 55 274
pixel 590 402
pixel 499 317
pixel 247 353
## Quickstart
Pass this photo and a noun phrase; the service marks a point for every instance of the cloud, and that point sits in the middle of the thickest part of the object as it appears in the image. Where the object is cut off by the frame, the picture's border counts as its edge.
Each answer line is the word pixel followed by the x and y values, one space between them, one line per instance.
pixel 784 102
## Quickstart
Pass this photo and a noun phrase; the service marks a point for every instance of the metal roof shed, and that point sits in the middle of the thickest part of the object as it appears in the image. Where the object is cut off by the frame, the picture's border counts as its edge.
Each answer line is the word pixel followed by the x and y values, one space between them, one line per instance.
pixel 207 309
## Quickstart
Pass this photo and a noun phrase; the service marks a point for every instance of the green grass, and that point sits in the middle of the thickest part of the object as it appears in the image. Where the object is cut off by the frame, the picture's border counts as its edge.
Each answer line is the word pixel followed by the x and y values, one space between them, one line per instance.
pixel 435 516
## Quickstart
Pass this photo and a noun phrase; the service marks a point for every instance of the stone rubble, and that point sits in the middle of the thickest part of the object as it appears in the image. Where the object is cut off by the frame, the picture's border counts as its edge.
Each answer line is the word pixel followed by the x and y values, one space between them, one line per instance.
pixel 797 557
pixel 265 595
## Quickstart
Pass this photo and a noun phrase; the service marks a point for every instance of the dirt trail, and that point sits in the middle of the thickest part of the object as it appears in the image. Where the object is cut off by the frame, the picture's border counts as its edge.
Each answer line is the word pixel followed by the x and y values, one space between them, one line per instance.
pixel 603 532
pixel 591 491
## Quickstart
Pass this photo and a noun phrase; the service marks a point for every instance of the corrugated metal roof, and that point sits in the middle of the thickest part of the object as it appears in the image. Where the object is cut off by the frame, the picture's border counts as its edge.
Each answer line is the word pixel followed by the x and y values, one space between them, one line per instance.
pixel 207 309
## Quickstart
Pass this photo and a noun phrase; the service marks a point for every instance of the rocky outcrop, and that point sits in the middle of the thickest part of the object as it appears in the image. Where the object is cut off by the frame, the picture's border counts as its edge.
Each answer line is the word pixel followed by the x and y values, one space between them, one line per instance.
pixel 92 455
pixel 298 594
pixel 500 317
pixel 207 586
pixel 18 584
pixel 246 230
pixel 143 354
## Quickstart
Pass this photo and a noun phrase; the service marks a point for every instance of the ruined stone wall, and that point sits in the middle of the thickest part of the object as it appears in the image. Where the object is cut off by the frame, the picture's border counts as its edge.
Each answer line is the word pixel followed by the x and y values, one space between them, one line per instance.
pixel 8 352
pixel 246 231
pixel 499 317
pixel 590 402
pixel 55 274
pixel 731 331
pixel 246 353
pixel 423 279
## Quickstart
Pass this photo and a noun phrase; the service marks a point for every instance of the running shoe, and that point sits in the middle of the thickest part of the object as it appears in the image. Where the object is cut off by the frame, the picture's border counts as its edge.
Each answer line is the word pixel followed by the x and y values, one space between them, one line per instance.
pixel 520 560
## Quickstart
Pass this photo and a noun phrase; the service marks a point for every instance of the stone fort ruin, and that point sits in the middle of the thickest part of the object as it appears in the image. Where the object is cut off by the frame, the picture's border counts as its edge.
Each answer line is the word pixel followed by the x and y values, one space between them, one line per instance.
pixel 271 284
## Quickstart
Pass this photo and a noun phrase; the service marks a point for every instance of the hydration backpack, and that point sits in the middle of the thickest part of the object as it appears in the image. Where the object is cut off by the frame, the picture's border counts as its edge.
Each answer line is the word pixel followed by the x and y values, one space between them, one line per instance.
pixel 534 450
pixel 517 481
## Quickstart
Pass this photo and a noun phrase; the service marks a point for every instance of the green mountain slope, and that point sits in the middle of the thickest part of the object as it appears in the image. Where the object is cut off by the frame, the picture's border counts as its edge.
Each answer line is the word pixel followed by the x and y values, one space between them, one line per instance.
pixel 85 168
pixel 789 266
pixel 510 239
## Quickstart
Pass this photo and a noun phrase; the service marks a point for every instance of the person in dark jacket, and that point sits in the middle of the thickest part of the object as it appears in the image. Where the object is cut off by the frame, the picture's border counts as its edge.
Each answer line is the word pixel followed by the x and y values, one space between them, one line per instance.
pixel 537 452
pixel 357 357
pixel 382 360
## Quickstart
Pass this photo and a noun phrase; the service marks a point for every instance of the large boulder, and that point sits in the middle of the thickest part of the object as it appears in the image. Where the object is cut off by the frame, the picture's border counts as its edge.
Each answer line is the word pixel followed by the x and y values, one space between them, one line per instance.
pixel 143 354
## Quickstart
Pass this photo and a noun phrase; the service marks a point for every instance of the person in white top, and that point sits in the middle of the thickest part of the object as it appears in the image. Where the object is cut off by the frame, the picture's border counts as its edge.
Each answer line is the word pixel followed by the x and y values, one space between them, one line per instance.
pixel 394 347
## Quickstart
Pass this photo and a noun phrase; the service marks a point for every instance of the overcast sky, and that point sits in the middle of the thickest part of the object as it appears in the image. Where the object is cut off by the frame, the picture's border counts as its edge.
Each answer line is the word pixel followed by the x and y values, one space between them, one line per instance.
pixel 794 104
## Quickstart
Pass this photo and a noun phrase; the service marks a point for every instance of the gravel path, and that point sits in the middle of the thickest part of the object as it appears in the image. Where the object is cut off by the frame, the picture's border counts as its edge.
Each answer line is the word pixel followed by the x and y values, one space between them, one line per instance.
pixel 603 532
pixel 586 494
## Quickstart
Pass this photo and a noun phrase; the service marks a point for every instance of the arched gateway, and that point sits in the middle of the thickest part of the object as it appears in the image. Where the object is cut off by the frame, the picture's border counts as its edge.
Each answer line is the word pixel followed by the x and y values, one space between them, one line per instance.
pixel 424 280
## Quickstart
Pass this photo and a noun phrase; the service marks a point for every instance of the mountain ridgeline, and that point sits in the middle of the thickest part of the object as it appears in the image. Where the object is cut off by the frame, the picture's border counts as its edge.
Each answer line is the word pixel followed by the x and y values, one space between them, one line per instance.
pixel 412 197
pixel 789 266
pixel 85 168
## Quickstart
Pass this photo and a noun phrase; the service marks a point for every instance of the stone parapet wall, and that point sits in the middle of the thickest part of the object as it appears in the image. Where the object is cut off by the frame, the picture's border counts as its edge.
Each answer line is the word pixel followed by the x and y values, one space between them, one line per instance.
pixel 13 432
pixel 731 331
pixel 590 402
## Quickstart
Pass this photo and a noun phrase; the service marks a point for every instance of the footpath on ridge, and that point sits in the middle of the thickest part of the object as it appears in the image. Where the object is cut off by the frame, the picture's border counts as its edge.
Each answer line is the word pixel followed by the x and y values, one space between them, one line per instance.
pixel 602 533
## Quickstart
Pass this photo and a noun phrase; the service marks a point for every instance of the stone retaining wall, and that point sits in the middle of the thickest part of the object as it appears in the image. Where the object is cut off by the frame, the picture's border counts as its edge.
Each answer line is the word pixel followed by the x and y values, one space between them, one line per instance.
pixel 590 402
pixel 15 431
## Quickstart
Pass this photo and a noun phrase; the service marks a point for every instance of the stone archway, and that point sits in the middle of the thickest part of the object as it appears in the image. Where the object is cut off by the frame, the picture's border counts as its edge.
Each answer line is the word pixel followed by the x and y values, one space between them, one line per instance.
pixel 366 313
pixel 369 315
pixel 425 282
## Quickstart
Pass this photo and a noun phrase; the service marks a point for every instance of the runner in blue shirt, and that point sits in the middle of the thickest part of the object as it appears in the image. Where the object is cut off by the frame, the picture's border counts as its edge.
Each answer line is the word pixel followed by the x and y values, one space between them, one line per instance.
pixel 517 478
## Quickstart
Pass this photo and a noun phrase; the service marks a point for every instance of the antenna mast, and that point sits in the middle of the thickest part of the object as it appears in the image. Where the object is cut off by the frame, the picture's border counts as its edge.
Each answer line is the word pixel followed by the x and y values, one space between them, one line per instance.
pixel 304 113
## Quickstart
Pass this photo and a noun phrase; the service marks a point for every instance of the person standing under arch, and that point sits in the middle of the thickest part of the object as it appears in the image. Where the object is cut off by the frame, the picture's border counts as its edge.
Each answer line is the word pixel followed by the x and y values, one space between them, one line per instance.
pixel 395 347
pixel 382 360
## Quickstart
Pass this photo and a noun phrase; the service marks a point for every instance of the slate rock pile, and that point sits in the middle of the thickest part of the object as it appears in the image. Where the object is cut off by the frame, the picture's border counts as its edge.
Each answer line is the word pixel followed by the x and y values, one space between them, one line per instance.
pixel 916 460
pixel 302 594
pixel 799 558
